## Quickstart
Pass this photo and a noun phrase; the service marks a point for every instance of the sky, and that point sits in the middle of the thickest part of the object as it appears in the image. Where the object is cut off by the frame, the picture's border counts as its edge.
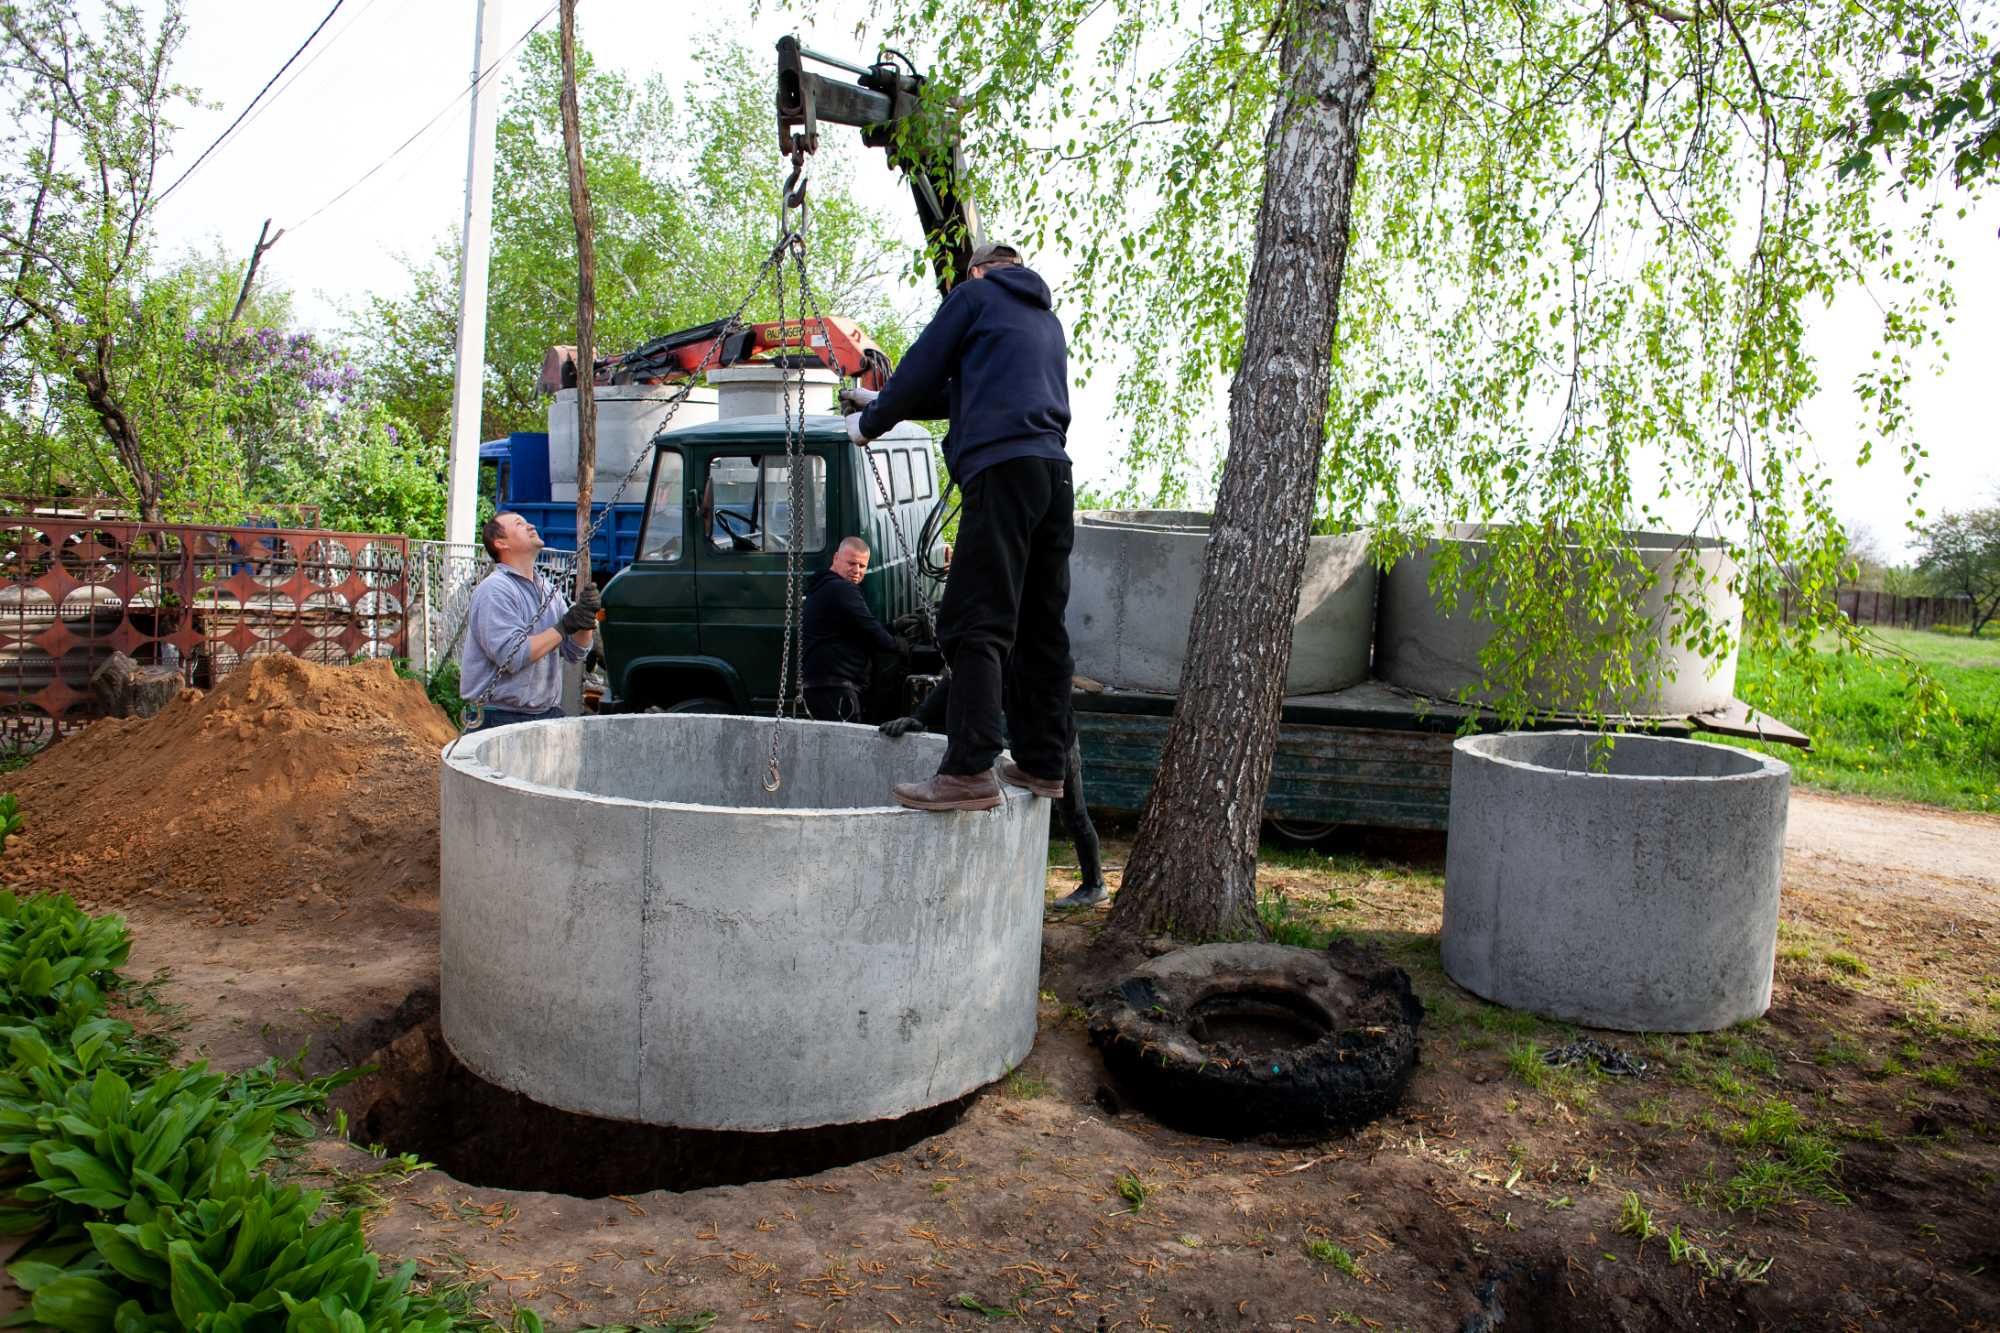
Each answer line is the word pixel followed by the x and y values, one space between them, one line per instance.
pixel 383 69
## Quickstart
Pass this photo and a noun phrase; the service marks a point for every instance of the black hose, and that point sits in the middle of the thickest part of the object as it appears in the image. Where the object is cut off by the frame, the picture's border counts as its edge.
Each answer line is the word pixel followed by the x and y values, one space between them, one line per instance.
pixel 935 523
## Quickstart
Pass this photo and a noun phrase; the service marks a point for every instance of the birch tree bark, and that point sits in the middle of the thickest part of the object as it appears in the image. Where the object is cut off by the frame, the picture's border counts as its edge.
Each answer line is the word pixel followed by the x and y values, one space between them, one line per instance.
pixel 586 297
pixel 1192 873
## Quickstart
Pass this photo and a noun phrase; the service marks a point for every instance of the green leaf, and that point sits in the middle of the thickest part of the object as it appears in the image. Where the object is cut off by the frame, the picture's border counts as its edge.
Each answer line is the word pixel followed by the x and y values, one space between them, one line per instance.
pixel 123 1253
pixel 196 1290
pixel 76 1304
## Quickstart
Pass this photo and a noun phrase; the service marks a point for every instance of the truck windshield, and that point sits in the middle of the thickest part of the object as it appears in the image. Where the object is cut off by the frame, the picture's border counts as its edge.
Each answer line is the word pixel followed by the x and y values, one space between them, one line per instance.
pixel 746 503
pixel 663 516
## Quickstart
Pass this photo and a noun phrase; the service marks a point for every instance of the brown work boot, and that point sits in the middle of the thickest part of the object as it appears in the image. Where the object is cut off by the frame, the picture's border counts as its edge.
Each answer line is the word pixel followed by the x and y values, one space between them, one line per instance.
pixel 947 791
pixel 1011 774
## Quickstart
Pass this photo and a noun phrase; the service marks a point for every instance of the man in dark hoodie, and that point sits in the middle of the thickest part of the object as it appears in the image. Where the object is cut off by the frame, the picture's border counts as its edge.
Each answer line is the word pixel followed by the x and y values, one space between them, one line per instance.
pixel 994 360
pixel 838 634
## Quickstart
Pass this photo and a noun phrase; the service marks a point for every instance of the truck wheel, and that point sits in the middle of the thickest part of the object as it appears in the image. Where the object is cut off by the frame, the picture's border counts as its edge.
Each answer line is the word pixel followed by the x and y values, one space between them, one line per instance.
pixel 1261 1040
pixel 702 705
pixel 1300 835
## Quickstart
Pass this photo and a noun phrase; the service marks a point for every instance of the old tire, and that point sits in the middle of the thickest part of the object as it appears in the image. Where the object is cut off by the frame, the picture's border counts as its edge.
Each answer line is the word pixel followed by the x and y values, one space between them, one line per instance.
pixel 1248 1040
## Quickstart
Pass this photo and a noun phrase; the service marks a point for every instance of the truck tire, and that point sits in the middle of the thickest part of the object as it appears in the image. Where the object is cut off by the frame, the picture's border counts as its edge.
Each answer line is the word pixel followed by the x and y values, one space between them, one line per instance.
pixel 699 705
pixel 1261 1040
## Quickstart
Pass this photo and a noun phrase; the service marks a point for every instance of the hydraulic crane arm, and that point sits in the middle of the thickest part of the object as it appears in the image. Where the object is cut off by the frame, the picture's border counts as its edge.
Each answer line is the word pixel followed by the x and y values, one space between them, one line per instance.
pixel 881 100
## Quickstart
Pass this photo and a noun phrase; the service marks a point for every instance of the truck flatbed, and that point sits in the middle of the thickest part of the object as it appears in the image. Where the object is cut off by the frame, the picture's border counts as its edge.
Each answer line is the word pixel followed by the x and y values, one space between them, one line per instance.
pixel 1369 755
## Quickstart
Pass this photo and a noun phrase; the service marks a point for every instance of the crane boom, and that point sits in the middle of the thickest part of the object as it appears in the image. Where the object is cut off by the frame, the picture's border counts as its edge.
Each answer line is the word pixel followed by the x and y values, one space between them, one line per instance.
pixel 882 99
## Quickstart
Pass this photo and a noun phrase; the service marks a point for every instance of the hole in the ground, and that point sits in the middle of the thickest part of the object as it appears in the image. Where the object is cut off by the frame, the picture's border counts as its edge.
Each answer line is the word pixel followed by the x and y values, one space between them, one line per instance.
pixel 422 1099
pixel 1257 1021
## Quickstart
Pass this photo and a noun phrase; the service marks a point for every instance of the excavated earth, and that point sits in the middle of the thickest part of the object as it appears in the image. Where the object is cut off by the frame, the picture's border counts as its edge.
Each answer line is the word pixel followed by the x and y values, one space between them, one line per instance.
pixel 273 845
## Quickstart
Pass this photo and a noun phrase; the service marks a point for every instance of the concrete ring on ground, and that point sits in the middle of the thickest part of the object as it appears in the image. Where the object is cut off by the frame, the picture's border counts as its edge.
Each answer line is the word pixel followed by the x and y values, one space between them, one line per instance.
pixel 1243 1040
pixel 631 927
pixel 1420 647
pixel 1634 889
pixel 1134 574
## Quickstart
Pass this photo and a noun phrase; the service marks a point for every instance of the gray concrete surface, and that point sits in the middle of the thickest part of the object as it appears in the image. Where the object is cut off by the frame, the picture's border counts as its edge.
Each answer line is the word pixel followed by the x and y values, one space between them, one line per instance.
pixel 1133 579
pixel 754 391
pixel 1422 648
pixel 632 928
pixel 1640 895
pixel 628 417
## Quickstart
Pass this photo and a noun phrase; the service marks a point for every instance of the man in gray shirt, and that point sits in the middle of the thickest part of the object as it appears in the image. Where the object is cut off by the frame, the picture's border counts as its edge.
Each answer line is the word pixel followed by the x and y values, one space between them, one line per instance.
pixel 517 629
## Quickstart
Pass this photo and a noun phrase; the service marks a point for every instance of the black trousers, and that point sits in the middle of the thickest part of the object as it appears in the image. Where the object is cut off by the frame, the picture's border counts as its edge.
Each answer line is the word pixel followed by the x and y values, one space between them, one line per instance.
pixel 1001 621
pixel 833 703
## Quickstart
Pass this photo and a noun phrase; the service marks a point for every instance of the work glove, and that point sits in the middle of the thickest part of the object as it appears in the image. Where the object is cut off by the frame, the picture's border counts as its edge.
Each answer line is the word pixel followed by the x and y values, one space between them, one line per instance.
pixel 856 398
pixel 902 647
pixel 582 613
pixel 898 727
pixel 854 428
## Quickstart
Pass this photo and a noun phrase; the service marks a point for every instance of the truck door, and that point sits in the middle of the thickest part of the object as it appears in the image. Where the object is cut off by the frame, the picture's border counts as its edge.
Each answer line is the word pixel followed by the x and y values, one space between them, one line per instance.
pixel 652 602
pixel 743 528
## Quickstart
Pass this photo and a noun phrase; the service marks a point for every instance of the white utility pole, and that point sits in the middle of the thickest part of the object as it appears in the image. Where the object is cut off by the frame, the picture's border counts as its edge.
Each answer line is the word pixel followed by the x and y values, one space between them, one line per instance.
pixel 469 378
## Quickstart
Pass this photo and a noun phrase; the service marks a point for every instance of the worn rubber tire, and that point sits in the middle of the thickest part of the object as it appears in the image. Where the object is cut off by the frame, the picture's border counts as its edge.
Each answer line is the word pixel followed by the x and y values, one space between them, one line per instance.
pixel 1148 1026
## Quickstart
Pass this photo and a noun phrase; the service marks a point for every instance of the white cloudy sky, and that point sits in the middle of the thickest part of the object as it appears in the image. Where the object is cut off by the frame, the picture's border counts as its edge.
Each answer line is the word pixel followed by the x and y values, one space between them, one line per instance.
pixel 382 69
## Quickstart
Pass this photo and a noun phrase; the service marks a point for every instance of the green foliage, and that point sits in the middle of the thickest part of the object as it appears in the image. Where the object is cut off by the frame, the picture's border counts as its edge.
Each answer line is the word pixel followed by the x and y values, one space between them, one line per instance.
pixel 1960 555
pixel 1945 101
pixel 140 1185
pixel 1784 1161
pixel 1859 711
pixel 12 821
pixel 1326 1252
pixel 1576 291
pixel 684 197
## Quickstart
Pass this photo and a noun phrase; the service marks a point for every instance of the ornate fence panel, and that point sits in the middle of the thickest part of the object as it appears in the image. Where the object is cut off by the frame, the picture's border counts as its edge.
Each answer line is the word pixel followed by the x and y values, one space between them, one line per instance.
pixel 442 576
pixel 200 598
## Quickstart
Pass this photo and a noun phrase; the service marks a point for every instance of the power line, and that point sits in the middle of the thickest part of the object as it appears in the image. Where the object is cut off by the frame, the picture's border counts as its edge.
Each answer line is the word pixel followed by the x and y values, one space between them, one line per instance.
pixel 302 70
pixel 428 125
pixel 253 102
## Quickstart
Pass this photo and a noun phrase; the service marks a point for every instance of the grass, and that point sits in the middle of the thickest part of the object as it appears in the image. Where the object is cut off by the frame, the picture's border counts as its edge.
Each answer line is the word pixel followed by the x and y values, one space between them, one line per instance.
pixel 1784 1162
pixel 1842 961
pixel 1326 1252
pixel 1863 741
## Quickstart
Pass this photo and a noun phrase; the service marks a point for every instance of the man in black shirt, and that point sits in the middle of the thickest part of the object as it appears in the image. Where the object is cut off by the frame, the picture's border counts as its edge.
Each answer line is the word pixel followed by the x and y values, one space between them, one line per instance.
pixel 995 361
pixel 838 636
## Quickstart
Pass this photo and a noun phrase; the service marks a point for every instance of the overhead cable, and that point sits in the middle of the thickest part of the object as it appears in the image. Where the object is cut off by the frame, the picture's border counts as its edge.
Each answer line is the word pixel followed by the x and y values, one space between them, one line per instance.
pixel 480 82
pixel 161 198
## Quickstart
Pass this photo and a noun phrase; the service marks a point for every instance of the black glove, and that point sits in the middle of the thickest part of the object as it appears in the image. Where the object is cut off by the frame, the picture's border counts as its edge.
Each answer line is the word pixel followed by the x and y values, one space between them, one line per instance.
pixel 910 625
pixel 898 727
pixel 902 648
pixel 582 613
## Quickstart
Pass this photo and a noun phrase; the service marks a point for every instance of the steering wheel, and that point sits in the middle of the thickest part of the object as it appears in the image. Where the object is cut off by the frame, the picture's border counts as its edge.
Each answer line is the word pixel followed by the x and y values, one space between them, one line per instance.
pixel 744 539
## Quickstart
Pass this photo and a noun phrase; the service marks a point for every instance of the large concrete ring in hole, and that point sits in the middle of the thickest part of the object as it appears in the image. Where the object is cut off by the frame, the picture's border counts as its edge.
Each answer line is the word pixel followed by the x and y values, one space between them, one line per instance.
pixel 1633 889
pixel 1134 574
pixel 1421 647
pixel 633 928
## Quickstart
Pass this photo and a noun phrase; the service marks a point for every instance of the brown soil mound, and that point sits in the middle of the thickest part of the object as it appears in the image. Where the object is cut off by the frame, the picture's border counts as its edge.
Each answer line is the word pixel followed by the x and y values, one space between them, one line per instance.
pixel 290 783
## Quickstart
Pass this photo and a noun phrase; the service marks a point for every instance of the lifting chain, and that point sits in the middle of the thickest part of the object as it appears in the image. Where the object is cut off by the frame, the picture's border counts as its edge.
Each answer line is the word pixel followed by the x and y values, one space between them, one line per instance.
pixel 474 711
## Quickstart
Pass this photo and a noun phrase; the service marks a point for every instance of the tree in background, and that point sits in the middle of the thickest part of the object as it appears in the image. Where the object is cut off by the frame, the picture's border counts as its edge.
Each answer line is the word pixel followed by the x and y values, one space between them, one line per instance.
pixel 1960 555
pixel 90 106
pixel 1586 240
pixel 684 202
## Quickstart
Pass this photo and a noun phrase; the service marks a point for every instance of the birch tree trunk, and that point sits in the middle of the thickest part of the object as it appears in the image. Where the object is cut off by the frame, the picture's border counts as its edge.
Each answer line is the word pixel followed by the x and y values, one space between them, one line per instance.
pixel 586 297
pixel 1192 872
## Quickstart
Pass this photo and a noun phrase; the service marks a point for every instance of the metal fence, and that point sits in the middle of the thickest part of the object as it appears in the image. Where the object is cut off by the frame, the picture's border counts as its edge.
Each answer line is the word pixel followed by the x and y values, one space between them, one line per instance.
pixel 202 598
pixel 1871 606
pixel 442 577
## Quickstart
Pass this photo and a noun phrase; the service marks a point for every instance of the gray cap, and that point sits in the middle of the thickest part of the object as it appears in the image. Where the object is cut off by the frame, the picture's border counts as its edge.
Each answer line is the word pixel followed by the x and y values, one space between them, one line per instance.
pixel 993 254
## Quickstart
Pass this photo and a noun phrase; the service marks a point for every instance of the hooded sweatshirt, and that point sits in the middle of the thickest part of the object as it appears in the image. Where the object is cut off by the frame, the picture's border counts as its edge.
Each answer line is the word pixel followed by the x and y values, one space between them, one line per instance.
pixel 994 361
pixel 837 632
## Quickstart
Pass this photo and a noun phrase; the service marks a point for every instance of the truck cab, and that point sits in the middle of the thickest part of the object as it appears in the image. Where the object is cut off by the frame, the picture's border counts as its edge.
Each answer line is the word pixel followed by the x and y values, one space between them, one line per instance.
pixel 696 622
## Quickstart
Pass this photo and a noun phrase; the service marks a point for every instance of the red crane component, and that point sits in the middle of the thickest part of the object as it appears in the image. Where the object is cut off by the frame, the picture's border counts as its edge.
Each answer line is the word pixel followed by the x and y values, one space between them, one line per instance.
pixel 835 342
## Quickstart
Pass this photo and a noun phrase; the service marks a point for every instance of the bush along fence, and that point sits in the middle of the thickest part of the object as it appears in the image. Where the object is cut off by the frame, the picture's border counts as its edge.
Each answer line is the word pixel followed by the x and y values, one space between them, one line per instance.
pixel 1870 606
pixel 201 599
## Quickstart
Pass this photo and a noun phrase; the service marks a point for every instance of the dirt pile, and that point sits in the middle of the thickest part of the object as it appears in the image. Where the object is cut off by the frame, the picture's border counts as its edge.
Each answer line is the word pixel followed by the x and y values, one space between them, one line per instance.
pixel 289 785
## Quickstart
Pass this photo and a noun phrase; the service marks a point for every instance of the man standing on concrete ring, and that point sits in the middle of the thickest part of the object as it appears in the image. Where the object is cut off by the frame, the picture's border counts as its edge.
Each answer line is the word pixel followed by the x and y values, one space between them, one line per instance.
pixel 994 360
pixel 517 629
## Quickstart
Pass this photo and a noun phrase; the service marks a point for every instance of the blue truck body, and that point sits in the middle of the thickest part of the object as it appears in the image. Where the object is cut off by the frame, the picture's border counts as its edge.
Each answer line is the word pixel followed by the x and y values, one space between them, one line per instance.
pixel 521 484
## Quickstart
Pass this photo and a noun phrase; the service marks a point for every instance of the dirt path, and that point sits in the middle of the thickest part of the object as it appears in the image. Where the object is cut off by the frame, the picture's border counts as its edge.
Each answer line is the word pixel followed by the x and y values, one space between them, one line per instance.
pixel 1875 847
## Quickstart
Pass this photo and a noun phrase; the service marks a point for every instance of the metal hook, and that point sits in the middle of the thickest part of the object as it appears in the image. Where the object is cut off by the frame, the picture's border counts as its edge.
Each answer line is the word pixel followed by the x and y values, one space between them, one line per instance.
pixel 773 779
pixel 472 714
pixel 795 188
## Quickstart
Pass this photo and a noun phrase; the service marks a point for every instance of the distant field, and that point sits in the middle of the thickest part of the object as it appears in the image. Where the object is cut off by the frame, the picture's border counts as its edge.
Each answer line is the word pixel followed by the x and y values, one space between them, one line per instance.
pixel 1862 741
